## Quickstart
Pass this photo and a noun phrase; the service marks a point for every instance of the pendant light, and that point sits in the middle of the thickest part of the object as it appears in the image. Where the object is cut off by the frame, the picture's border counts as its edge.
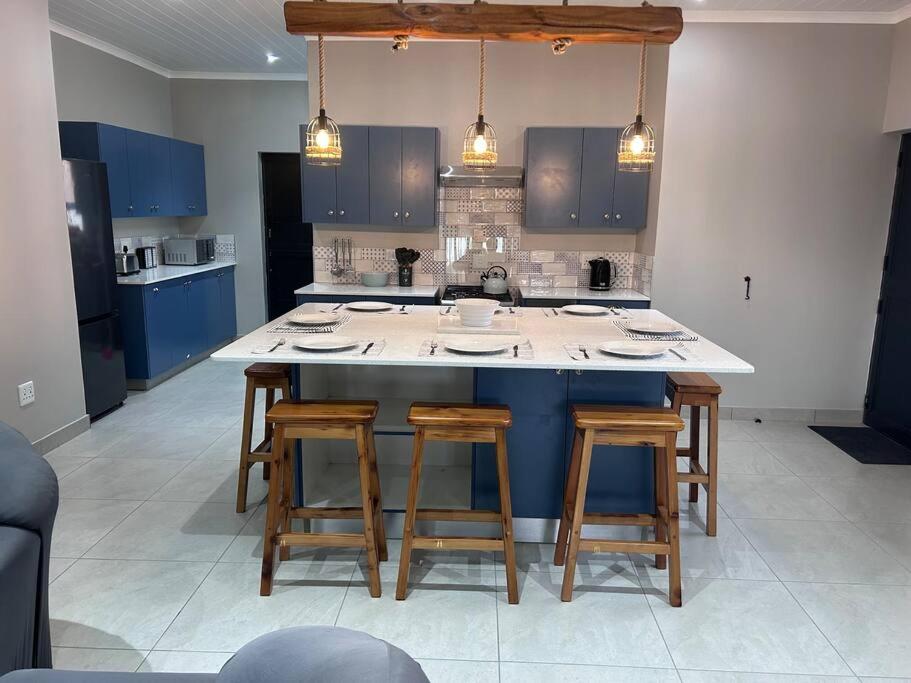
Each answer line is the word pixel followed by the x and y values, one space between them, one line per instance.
pixel 479 149
pixel 324 142
pixel 636 152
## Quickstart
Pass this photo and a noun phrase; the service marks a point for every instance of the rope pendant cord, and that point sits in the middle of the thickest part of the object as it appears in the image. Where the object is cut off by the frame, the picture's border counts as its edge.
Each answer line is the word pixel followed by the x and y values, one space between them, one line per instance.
pixel 322 73
pixel 640 97
pixel 483 62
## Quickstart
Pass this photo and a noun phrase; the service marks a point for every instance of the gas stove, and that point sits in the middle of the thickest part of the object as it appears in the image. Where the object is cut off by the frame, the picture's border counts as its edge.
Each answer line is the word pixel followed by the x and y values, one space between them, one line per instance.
pixel 454 292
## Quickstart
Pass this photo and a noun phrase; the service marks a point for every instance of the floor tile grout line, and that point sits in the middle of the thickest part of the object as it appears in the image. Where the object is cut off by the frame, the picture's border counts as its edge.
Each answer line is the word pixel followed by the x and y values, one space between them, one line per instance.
pixel 651 610
pixel 876 542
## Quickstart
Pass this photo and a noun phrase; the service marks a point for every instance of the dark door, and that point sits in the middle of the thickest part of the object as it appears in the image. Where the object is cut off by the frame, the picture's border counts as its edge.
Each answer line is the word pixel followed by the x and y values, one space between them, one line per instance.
pixel 288 240
pixel 353 177
pixel 385 175
pixel 553 173
pixel 887 407
pixel 419 176
pixel 103 373
pixel 599 161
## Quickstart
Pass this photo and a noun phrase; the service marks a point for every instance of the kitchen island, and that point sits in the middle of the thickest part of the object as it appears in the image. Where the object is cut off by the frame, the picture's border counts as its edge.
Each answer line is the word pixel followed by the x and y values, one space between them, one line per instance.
pixel 539 381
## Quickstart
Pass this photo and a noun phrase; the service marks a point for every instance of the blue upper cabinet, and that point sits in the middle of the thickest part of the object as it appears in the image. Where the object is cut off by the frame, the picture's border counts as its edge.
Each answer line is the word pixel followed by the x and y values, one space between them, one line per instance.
pixel 148 175
pixel 338 194
pixel 553 173
pixel 188 179
pixel 420 164
pixel 572 180
pixel 385 160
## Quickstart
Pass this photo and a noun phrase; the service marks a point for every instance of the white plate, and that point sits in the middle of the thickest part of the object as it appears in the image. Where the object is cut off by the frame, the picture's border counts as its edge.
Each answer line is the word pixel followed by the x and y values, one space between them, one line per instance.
pixel 655 327
pixel 368 306
pixel 585 309
pixel 475 345
pixel 313 318
pixel 634 349
pixel 327 343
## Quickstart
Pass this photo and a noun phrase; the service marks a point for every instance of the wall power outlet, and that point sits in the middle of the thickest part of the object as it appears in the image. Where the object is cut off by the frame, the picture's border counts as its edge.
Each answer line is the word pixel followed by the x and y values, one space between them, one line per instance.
pixel 26 393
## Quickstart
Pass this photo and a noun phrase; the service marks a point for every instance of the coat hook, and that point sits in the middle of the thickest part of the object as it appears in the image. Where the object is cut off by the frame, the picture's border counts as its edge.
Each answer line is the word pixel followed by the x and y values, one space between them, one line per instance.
pixel 748 280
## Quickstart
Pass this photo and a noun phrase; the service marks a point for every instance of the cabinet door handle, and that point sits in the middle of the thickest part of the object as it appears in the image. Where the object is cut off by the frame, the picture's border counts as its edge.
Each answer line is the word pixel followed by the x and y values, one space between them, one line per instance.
pixel 618 216
pixel 130 208
pixel 572 215
pixel 395 214
pixel 331 212
pixel 155 290
pixel 341 212
pixel 407 215
pixel 607 216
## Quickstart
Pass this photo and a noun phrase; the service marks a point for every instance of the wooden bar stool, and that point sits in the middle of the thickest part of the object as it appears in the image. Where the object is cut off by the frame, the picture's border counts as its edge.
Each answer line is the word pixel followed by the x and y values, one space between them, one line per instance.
pixel 268 376
pixel 696 389
pixel 598 425
pixel 467 423
pixel 323 420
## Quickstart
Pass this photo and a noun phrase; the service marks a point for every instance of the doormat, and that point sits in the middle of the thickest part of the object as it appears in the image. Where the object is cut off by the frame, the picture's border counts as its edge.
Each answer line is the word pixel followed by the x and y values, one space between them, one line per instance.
pixel 866 445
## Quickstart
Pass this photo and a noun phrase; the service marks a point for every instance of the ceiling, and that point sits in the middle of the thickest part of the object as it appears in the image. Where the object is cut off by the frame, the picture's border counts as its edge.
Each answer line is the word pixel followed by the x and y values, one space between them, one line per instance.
pixel 194 37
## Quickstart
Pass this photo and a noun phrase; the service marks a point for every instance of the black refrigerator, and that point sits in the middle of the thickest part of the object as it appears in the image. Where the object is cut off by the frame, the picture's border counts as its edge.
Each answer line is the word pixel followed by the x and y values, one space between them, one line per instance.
pixel 88 218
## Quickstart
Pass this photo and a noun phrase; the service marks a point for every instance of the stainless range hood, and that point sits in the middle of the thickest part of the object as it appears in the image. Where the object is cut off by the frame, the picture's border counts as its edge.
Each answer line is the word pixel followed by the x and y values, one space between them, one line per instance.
pixel 501 176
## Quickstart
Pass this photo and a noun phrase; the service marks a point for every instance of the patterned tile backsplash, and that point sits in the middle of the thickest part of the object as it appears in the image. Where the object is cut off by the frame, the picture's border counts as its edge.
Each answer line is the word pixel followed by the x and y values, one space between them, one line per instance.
pixel 224 245
pixel 480 227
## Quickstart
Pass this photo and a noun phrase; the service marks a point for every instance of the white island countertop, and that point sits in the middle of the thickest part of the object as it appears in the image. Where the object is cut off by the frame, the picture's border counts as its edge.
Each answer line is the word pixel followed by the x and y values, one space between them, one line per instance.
pixel 577 293
pixel 330 289
pixel 161 273
pixel 405 334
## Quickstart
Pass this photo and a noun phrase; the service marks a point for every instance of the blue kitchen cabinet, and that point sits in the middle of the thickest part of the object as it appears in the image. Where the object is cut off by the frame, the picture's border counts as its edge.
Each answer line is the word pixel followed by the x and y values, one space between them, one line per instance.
pixel 572 180
pixel 148 175
pixel 338 194
pixel 188 179
pixel 420 167
pixel 385 162
pixel 553 175
pixel 170 322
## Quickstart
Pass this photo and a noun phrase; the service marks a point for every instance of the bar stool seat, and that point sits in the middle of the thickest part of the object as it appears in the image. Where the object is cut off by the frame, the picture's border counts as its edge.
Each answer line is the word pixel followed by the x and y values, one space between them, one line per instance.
pixel 622 426
pixel 465 423
pixel 351 420
pixel 698 390
pixel 268 376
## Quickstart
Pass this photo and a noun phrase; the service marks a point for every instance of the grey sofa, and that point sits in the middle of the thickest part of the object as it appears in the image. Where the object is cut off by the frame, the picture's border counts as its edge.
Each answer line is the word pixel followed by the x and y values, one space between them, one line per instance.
pixel 28 506
pixel 306 654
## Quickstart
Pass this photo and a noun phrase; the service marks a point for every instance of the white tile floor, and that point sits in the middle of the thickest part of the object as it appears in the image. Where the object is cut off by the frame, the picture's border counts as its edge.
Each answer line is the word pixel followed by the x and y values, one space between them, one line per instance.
pixel 809 578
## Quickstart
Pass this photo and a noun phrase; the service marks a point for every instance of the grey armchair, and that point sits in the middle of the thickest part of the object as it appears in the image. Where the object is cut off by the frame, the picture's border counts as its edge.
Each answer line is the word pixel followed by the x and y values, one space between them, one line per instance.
pixel 28 506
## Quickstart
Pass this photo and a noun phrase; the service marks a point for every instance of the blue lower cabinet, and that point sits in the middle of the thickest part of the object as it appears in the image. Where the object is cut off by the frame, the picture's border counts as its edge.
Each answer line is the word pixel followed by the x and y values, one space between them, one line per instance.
pixel 169 322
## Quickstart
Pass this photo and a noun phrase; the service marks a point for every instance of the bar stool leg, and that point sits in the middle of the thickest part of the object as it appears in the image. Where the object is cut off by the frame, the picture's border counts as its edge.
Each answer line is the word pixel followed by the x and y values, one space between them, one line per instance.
pixel 272 515
pixel 569 499
pixel 379 525
pixel 410 513
pixel 267 432
pixel 694 449
pixel 509 548
pixel 711 517
pixel 246 437
pixel 569 570
pixel 675 592
pixel 285 473
pixel 373 565
pixel 661 502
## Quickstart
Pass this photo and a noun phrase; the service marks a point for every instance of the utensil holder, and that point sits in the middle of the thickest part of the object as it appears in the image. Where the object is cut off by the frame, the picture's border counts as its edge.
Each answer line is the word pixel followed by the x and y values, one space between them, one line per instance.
pixel 405 276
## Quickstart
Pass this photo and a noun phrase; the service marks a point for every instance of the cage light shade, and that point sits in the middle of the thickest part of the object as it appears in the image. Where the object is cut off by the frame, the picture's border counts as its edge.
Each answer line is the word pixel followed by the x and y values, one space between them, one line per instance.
pixel 636 151
pixel 480 147
pixel 324 142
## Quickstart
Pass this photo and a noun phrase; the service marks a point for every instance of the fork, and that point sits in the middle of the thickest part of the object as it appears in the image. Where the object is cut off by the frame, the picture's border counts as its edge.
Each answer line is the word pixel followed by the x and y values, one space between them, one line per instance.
pixel 402 309
pixel 584 352
pixel 433 346
pixel 280 342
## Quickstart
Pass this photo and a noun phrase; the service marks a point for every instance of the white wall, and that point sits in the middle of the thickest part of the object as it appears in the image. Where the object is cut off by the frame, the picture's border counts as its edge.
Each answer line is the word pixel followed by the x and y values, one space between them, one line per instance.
pixel 898 104
pixel 40 340
pixel 236 120
pixel 775 166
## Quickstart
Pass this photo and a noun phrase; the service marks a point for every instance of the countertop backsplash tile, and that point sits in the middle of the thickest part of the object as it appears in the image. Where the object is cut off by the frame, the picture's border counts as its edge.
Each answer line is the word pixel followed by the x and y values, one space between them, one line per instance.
pixel 480 227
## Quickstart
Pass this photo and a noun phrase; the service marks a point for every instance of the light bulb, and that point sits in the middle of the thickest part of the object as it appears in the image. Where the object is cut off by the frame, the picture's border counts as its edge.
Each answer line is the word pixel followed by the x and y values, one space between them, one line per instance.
pixel 322 138
pixel 480 144
pixel 637 145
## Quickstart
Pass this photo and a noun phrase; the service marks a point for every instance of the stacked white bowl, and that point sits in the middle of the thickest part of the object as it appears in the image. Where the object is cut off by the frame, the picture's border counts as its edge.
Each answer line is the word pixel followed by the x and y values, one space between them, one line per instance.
pixel 477 312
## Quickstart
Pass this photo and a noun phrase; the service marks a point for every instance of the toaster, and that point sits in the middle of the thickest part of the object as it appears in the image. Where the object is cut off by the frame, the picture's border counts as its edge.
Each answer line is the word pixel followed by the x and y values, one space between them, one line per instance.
pixel 125 263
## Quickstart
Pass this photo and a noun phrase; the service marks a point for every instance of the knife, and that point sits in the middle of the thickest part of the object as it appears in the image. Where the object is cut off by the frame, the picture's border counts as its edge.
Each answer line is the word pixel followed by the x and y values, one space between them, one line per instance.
pixel 366 349
pixel 338 307
pixel 555 311
pixel 679 355
pixel 515 351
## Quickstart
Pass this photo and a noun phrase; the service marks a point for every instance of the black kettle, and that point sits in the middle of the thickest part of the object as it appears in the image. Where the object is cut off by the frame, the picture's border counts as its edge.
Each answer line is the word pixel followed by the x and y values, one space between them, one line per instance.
pixel 603 274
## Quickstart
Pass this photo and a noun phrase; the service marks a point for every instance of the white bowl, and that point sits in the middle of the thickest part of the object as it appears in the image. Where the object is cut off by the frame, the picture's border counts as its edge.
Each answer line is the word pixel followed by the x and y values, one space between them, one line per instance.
pixel 477 312
pixel 374 279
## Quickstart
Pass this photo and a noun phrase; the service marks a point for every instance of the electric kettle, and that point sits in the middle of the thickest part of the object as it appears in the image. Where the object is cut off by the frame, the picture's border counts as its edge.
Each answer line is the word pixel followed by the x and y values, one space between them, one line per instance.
pixel 603 274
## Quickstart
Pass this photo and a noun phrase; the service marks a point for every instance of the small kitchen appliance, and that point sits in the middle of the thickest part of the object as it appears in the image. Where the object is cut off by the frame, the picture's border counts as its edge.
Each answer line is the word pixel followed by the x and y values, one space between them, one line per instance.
pixel 147 257
pixel 603 274
pixel 185 250
pixel 125 263
pixel 493 282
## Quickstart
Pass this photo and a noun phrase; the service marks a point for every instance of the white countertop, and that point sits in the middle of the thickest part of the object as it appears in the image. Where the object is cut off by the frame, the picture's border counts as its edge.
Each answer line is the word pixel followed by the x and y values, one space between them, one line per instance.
pixel 329 289
pixel 162 273
pixel 582 293
pixel 404 335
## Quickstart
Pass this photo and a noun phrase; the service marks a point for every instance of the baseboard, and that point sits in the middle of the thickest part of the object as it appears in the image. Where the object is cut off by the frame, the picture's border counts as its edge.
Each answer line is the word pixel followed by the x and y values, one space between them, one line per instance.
pixel 59 437
pixel 146 384
pixel 806 415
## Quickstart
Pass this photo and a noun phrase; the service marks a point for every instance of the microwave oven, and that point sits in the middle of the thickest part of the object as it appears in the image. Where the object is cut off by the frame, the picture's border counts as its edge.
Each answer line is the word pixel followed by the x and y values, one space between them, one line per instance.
pixel 188 251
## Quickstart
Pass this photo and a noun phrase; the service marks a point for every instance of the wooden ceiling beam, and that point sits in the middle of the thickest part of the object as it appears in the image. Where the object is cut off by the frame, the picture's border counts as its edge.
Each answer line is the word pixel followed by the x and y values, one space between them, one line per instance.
pixel 450 21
